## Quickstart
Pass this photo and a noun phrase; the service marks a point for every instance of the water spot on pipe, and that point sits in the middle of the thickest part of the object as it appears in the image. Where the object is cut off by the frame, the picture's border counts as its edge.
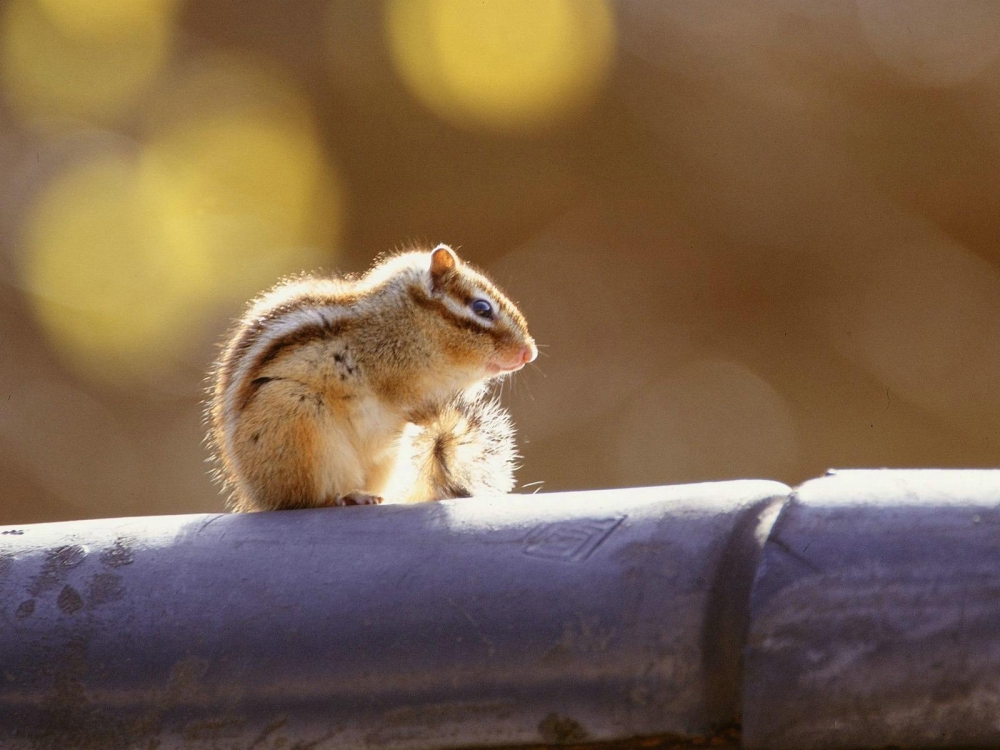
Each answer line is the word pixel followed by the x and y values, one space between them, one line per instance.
pixel 58 563
pixel 118 554
pixel 104 588
pixel 69 602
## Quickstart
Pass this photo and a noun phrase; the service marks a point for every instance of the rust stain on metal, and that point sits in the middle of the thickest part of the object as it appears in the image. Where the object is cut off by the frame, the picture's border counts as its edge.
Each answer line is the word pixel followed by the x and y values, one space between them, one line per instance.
pixel 725 738
pixel 226 728
pixel 561 730
pixel 185 680
pixel 275 726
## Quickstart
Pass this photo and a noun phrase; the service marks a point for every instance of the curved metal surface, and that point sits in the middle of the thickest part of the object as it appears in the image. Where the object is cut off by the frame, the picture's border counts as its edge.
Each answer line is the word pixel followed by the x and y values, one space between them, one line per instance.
pixel 875 617
pixel 559 618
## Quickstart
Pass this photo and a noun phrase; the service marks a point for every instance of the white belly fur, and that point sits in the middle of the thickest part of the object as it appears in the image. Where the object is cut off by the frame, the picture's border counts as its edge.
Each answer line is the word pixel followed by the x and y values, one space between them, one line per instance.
pixel 360 449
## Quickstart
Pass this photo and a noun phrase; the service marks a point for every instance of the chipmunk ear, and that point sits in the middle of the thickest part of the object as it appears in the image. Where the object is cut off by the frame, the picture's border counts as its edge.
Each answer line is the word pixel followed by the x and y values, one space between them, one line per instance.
pixel 443 264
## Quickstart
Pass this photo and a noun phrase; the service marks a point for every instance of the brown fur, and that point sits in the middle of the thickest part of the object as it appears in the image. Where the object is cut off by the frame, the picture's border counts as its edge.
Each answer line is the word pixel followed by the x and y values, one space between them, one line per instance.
pixel 317 383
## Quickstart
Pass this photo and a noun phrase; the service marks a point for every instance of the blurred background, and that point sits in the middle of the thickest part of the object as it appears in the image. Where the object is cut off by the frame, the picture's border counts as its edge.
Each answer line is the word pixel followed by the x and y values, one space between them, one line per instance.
pixel 758 240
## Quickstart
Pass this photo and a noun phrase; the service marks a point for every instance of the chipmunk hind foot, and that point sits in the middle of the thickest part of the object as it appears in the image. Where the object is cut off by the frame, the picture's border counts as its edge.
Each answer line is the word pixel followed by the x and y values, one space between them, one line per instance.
pixel 355 498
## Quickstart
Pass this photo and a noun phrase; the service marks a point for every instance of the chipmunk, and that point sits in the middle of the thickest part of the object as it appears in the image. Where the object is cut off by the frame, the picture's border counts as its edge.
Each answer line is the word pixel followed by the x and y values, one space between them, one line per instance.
pixel 343 391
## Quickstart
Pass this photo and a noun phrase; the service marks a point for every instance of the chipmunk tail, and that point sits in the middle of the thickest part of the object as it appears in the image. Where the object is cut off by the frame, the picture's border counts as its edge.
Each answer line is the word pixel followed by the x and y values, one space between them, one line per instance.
pixel 465 448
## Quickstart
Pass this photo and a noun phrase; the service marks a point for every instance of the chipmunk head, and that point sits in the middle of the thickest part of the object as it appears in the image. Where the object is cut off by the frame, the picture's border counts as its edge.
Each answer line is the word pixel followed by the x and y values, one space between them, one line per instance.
pixel 481 328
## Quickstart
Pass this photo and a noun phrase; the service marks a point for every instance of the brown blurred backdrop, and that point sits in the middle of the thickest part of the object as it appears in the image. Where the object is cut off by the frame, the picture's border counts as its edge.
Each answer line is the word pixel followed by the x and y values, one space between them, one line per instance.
pixel 758 240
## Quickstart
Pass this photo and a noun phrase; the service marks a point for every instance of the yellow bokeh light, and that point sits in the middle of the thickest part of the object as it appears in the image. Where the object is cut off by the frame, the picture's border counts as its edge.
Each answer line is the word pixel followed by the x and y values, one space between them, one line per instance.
pixel 237 164
pixel 127 254
pixel 505 64
pixel 104 19
pixel 105 285
pixel 244 189
pixel 73 63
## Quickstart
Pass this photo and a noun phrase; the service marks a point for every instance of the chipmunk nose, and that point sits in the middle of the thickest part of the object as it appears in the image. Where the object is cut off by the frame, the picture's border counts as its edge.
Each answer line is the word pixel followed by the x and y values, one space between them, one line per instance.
pixel 529 353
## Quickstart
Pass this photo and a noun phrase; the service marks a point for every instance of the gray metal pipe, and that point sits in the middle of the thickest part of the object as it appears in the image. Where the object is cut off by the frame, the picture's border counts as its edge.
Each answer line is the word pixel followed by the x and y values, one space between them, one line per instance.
pixel 875 617
pixel 870 619
pixel 543 619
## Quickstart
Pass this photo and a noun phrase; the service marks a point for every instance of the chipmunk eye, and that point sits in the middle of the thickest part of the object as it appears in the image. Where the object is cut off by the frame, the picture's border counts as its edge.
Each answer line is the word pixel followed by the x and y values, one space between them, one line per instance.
pixel 482 308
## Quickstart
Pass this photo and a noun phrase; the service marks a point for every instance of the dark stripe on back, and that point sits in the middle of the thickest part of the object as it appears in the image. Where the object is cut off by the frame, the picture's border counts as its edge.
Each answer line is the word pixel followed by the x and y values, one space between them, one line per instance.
pixel 247 393
pixel 302 335
pixel 252 330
